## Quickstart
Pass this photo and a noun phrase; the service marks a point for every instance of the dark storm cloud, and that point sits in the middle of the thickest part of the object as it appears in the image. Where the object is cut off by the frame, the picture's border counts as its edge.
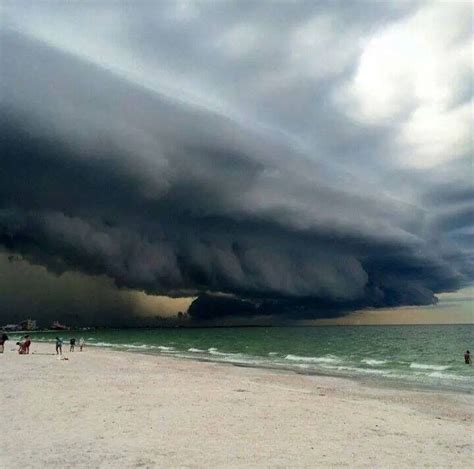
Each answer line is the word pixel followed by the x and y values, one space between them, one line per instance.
pixel 251 187
pixel 32 291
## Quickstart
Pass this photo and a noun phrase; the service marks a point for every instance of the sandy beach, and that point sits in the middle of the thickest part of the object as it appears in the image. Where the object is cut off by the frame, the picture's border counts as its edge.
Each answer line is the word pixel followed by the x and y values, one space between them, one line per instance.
pixel 104 408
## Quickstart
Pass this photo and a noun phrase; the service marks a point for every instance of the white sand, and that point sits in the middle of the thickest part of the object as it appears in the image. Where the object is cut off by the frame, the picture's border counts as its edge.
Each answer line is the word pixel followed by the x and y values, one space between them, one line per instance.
pixel 114 409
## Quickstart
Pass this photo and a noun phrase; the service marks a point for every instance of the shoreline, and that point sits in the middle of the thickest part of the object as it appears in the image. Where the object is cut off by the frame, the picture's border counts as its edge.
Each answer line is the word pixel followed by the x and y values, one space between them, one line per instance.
pixel 101 408
pixel 376 381
pixel 380 382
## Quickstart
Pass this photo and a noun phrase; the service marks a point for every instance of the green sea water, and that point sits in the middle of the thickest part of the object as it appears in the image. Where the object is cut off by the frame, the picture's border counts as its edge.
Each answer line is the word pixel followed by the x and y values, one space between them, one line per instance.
pixel 426 356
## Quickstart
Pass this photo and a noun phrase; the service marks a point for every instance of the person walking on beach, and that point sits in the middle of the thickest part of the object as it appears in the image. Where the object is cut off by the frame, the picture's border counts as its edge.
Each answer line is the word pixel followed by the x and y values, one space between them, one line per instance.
pixel 3 339
pixel 467 358
pixel 81 343
pixel 72 343
pixel 59 346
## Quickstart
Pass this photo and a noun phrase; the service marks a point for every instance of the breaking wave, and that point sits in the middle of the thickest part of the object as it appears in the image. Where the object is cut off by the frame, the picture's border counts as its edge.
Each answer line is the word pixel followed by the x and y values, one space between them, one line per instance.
pixel 423 366
pixel 325 359
pixel 374 362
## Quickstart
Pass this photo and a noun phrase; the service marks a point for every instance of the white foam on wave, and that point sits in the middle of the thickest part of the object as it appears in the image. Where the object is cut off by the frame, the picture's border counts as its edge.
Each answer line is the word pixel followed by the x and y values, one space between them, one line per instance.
pixel 133 346
pixel 353 369
pixel 196 350
pixel 373 361
pixel 423 366
pixel 128 346
pixel 241 360
pixel 165 349
pixel 162 348
pixel 230 355
pixel 439 375
pixel 272 354
pixel 214 351
pixel 326 359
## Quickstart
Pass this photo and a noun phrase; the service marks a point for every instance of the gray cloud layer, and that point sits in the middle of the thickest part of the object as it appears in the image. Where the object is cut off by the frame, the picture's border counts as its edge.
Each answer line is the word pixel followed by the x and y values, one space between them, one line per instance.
pixel 199 149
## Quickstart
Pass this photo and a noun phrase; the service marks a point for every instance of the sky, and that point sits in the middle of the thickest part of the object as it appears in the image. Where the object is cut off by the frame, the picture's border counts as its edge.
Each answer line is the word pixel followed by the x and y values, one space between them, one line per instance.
pixel 271 161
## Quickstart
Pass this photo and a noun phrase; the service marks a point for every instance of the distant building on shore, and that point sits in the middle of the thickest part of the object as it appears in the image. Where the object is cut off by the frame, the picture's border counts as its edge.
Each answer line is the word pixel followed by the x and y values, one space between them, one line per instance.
pixel 25 325
pixel 28 325
pixel 57 326
pixel 11 327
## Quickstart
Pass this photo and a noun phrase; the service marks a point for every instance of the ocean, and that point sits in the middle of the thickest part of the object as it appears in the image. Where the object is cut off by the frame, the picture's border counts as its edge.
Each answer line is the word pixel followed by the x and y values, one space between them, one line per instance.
pixel 420 356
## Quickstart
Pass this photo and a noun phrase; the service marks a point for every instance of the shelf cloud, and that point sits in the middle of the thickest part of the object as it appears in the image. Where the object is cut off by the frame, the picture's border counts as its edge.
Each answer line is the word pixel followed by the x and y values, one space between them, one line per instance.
pixel 302 161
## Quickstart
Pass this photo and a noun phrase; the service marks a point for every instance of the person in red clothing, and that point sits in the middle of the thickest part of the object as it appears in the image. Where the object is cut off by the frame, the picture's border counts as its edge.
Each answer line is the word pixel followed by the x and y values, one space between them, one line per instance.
pixel 27 343
pixel 25 346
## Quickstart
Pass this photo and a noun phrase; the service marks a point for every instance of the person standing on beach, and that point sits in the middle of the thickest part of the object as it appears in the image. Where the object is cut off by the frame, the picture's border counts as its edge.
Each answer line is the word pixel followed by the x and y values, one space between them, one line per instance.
pixel 26 344
pixel 467 358
pixel 3 339
pixel 81 343
pixel 72 343
pixel 59 346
